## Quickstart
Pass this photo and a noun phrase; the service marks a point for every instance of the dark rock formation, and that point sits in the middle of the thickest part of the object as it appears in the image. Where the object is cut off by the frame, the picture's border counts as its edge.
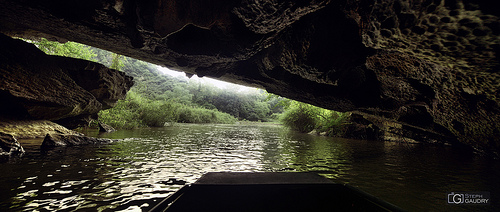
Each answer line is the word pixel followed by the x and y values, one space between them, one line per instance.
pixel 9 145
pixel 362 128
pixel 429 66
pixel 61 140
pixel 54 135
pixel 39 86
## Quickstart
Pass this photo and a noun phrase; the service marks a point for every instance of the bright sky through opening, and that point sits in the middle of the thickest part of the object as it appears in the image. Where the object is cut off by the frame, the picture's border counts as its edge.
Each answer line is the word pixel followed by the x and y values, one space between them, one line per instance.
pixel 206 80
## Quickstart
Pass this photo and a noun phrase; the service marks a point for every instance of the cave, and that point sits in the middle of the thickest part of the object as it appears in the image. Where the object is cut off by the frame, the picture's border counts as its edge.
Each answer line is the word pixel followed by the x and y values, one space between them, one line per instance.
pixel 429 66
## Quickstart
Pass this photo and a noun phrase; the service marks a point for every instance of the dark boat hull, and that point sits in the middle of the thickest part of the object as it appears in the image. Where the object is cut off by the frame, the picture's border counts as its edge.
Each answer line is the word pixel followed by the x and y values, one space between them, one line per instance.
pixel 290 191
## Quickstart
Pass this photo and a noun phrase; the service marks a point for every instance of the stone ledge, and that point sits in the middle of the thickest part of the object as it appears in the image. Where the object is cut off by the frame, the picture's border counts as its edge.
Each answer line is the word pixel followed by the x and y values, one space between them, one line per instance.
pixel 60 140
pixel 32 128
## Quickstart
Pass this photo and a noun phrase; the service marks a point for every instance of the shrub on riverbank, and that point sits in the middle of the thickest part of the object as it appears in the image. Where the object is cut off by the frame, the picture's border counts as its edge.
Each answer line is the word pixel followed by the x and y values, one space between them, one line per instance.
pixel 202 115
pixel 136 111
pixel 305 118
pixel 300 117
pixel 333 123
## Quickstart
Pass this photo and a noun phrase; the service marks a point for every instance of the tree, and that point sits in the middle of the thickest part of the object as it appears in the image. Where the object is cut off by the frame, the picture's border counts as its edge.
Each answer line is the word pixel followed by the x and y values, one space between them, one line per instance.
pixel 68 49
pixel 116 62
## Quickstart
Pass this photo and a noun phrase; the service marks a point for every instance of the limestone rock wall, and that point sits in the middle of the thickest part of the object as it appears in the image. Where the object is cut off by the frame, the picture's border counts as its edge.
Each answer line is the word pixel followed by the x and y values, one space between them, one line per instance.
pixel 437 65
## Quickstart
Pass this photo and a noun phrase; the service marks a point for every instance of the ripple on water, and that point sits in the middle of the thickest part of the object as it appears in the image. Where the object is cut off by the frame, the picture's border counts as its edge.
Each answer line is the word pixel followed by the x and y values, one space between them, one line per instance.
pixel 135 173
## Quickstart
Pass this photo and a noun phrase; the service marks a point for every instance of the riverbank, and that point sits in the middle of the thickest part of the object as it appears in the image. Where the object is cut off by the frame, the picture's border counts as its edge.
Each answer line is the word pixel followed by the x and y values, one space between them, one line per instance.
pixel 13 132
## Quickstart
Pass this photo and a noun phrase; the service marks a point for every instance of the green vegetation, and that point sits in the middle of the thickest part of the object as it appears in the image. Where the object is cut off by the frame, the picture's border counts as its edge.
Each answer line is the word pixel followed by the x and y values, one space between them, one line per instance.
pixel 136 111
pixel 68 49
pixel 158 99
pixel 305 118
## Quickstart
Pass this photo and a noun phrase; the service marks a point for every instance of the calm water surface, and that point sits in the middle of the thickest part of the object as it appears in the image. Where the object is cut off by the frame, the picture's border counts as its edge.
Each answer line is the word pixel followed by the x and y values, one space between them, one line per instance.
pixel 150 164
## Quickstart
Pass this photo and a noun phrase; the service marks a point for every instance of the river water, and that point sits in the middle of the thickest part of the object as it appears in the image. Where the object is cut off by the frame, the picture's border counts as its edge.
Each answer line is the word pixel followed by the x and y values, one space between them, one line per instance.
pixel 150 164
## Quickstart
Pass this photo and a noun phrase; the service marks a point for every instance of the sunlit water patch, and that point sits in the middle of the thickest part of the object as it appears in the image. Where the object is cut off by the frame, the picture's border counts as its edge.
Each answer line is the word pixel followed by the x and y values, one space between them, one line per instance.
pixel 150 164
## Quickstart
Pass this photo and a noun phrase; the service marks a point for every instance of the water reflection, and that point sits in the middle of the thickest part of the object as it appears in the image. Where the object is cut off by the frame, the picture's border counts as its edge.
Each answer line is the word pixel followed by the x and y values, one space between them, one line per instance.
pixel 150 164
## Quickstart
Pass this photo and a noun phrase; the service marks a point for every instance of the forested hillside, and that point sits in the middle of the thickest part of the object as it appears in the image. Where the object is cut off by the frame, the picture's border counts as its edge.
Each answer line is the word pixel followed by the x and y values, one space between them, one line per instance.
pixel 158 98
